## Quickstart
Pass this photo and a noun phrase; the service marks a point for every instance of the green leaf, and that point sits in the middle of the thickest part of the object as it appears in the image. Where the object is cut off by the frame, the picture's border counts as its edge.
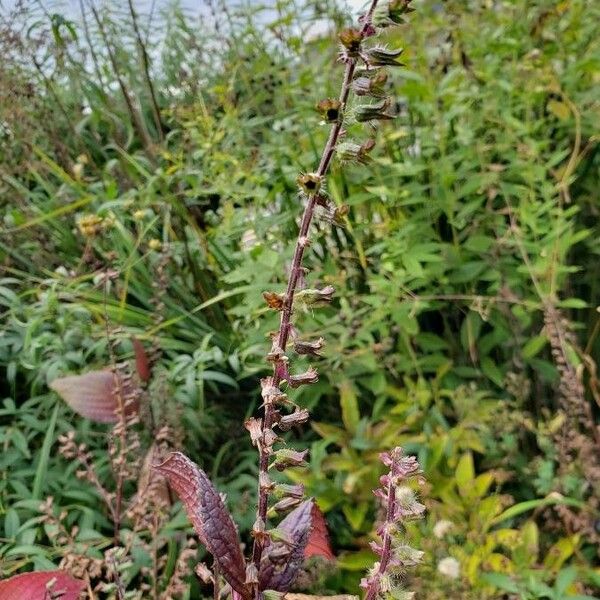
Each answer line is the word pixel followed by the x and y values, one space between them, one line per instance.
pixel 44 455
pixel 349 406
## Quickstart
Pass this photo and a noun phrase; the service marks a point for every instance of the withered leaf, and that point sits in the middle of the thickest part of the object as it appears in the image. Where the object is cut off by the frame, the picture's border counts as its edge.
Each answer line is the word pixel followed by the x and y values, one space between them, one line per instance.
pixel 210 517
pixel 279 574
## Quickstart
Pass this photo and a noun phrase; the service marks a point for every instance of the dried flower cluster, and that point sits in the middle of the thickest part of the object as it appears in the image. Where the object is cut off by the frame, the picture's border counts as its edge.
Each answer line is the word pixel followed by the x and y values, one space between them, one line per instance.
pixel 401 506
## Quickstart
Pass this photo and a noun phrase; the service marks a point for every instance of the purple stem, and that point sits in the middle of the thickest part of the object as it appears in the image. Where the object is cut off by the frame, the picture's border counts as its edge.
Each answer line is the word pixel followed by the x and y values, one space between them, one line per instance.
pixel 288 302
pixel 373 588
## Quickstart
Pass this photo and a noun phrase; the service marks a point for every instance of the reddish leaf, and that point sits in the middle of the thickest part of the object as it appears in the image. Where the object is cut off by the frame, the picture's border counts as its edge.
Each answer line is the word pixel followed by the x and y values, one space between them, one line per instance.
pixel 93 395
pixel 279 573
pixel 318 540
pixel 41 586
pixel 142 362
pixel 210 518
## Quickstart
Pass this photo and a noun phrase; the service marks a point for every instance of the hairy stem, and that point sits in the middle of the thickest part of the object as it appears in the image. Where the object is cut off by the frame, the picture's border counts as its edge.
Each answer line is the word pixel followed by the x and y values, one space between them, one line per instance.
pixel 296 267
pixel 387 540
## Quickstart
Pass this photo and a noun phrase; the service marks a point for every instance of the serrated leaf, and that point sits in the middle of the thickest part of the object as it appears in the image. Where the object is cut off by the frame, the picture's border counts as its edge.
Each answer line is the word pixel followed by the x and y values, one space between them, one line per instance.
pixel 279 575
pixel 38 586
pixel 209 516
pixel 94 395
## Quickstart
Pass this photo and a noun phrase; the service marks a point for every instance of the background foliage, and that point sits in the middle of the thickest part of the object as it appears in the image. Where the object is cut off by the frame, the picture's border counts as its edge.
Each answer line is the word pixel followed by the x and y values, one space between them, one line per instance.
pixel 154 154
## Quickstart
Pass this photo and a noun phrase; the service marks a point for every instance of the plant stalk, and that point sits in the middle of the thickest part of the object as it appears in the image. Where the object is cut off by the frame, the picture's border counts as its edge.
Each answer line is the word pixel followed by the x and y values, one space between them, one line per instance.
pixel 288 303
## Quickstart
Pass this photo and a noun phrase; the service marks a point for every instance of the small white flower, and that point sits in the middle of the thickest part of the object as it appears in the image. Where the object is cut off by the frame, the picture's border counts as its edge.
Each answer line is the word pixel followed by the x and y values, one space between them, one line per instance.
pixel 449 567
pixel 441 528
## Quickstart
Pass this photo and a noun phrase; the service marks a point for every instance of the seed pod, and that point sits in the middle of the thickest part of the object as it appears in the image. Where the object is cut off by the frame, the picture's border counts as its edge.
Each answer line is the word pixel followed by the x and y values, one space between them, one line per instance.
pixel 286 490
pixel 330 109
pixel 353 152
pixel 298 417
pixel 309 183
pixel 285 458
pixel 351 40
pixel 312 298
pixel 254 426
pixel 378 56
pixel 372 83
pixel 308 377
pixel 309 348
pixel 373 112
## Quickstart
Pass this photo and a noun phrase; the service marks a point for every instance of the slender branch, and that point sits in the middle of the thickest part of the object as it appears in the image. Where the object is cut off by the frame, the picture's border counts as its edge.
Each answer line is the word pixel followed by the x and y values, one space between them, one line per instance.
pixel 296 268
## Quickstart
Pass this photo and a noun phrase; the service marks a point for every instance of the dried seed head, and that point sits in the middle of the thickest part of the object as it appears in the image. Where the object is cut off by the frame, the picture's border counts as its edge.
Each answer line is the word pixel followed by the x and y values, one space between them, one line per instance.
pixel 309 348
pixel 310 183
pixel 274 300
pixel 298 417
pixel 286 490
pixel 254 426
pixel 330 109
pixel 306 378
pixel 351 40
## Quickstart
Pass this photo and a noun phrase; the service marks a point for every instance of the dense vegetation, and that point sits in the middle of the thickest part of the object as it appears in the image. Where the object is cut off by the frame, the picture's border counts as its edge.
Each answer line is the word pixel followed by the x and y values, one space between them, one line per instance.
pixel 148 197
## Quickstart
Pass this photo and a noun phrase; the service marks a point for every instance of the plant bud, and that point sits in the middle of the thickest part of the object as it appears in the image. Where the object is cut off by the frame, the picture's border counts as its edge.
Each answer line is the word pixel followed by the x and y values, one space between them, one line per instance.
pixel 309 183
pixel 306 378
pixel 330 109
pixel 308 348
pixel 272 594
pixel 285 458
pixel 298 417
pixel 379 56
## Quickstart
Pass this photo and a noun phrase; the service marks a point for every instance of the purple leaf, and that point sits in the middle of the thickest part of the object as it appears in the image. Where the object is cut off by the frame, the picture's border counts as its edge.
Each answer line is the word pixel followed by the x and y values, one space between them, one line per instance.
pixel 40 586
pixel 94 395
pixel 278 568
pixel 210 518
